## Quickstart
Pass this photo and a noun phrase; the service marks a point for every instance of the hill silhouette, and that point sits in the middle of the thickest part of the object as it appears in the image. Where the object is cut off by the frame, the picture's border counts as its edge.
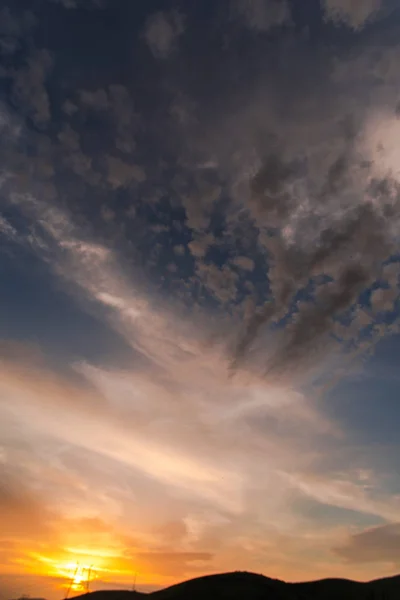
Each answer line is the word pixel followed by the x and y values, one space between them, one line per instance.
pixel 250 586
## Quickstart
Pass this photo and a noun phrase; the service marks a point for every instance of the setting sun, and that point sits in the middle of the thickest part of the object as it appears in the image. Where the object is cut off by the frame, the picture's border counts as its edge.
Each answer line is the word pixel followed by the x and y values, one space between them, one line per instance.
pixel 74 576
pixel 81 577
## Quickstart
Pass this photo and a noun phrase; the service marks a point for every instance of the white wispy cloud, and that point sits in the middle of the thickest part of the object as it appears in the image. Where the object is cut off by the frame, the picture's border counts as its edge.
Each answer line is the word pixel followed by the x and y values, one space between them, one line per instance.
pixel 162 31
pixel 7 229
pixel 262 15
pixel 354 13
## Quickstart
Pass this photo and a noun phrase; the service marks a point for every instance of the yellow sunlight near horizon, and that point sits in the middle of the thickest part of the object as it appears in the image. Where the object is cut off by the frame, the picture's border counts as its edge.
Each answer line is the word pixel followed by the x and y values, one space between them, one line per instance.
pixel 76 568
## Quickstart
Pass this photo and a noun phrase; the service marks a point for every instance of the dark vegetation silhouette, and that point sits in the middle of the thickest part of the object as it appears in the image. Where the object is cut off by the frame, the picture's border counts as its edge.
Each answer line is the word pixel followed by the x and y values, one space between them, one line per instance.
pixel 250 586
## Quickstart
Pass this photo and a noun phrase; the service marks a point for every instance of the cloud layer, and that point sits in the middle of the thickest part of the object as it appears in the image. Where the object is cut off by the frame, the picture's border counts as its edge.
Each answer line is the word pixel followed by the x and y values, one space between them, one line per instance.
pixel 221 211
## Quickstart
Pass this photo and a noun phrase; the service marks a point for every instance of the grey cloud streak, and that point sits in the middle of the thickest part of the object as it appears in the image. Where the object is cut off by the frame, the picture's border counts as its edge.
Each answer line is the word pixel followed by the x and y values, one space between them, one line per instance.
pixel 320 211
pixel 262 15
pixel 378 544
pixel 353 13
pixel 349 251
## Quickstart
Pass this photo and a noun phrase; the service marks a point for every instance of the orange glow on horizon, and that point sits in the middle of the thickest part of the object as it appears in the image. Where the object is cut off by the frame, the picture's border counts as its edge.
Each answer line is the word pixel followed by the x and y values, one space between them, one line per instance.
pixel 75 569
pixel 76 574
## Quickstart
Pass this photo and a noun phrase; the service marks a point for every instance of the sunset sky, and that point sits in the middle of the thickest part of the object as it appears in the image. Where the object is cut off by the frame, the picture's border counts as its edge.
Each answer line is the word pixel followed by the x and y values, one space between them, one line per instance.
pixel 199 334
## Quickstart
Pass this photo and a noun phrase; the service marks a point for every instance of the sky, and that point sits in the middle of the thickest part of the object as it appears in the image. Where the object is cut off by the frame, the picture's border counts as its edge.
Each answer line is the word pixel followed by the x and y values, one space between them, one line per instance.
pixel 199 333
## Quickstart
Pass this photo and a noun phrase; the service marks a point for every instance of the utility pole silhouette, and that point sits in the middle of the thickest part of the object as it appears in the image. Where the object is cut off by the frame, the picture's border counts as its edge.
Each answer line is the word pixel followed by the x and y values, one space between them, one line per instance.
pixel 88 579
pixel 134 583
pixel 72 581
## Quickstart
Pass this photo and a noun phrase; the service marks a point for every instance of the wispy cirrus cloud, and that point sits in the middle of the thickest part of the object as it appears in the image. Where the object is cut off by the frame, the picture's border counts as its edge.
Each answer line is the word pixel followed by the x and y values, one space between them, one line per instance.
pixel 262 16
pixel 162 31
pixel 90 269
pixel 353 13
